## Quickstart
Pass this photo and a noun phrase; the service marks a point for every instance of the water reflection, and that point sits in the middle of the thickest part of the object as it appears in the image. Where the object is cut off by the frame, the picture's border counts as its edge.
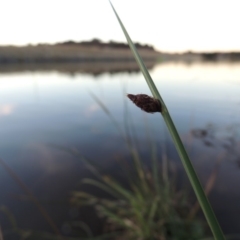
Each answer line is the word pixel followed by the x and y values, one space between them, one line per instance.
pixel 226 138
pixel 93 68
pixel 41 108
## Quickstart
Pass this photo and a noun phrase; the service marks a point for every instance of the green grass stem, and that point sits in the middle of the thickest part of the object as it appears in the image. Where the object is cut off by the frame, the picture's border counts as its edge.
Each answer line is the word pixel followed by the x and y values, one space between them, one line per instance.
pixel 197 187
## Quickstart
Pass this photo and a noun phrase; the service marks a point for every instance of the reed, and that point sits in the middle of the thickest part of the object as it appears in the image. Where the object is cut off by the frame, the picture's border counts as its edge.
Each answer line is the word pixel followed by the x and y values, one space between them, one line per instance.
pixel 193 178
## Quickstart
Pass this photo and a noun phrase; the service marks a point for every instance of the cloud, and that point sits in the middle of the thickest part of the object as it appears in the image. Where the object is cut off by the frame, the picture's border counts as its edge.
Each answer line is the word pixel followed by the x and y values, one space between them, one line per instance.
pixel 6 109
pixel 91 110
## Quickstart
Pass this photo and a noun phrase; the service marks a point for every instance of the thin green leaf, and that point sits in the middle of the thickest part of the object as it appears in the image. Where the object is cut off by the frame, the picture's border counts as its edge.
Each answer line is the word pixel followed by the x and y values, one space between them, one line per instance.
pixel 118 188
pixel 197 187
pixel 139 60
pixel 103 186
pixel 153 209
pixel 122 222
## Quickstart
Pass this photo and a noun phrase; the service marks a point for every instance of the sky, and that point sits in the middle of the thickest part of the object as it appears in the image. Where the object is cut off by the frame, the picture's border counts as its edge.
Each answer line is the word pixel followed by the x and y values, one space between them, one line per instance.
pixel 168 25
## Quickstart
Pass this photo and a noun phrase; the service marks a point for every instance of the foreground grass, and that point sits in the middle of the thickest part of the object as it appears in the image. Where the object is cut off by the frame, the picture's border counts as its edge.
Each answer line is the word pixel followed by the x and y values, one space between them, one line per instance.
pixel 148 208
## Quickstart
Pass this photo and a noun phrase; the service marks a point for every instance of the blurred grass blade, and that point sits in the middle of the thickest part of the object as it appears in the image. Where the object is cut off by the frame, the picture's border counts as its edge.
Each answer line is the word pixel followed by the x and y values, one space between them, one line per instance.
pixel 1 235
pixel 104 187
pixel 153 209
pixel 132 149
pixel 118 188
pixel 74 152
pixel 34 199
pixel 105 109
pixel 203 201
pixel 114 217
pixel 10 216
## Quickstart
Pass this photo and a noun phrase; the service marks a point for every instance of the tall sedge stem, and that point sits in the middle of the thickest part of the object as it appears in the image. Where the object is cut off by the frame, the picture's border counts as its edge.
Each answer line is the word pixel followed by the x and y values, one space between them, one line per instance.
pixel 197 187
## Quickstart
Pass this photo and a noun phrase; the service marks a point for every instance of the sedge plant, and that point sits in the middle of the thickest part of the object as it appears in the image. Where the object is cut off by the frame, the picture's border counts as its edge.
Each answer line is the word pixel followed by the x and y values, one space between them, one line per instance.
pixel 153 209
pixel 189 169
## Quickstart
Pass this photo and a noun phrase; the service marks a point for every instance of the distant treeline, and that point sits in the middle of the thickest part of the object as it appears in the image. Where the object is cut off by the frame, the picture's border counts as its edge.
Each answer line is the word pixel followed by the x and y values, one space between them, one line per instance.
pixel 70 51
pixel 201 56
pixel 221 56
pixel 98 51
pixel 111 44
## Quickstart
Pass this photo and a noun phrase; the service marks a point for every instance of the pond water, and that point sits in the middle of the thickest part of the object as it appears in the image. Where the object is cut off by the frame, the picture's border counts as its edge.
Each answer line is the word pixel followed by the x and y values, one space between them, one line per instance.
pixel 41 112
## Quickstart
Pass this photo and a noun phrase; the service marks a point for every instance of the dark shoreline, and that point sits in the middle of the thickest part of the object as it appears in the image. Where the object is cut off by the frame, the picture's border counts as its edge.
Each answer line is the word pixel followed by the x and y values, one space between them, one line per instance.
pixel 90 67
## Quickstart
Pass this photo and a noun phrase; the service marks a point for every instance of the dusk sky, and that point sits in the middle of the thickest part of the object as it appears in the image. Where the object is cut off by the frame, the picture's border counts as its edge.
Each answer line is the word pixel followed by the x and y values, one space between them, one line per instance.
pixel 169 25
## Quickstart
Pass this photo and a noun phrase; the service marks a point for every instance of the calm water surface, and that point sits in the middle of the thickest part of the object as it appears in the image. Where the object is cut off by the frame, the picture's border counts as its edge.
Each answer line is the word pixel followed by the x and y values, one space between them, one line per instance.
pixel 42 110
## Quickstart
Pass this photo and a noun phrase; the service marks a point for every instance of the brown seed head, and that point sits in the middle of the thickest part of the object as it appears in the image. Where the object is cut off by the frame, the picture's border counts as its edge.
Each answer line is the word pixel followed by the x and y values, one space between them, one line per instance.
pixel 146 103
